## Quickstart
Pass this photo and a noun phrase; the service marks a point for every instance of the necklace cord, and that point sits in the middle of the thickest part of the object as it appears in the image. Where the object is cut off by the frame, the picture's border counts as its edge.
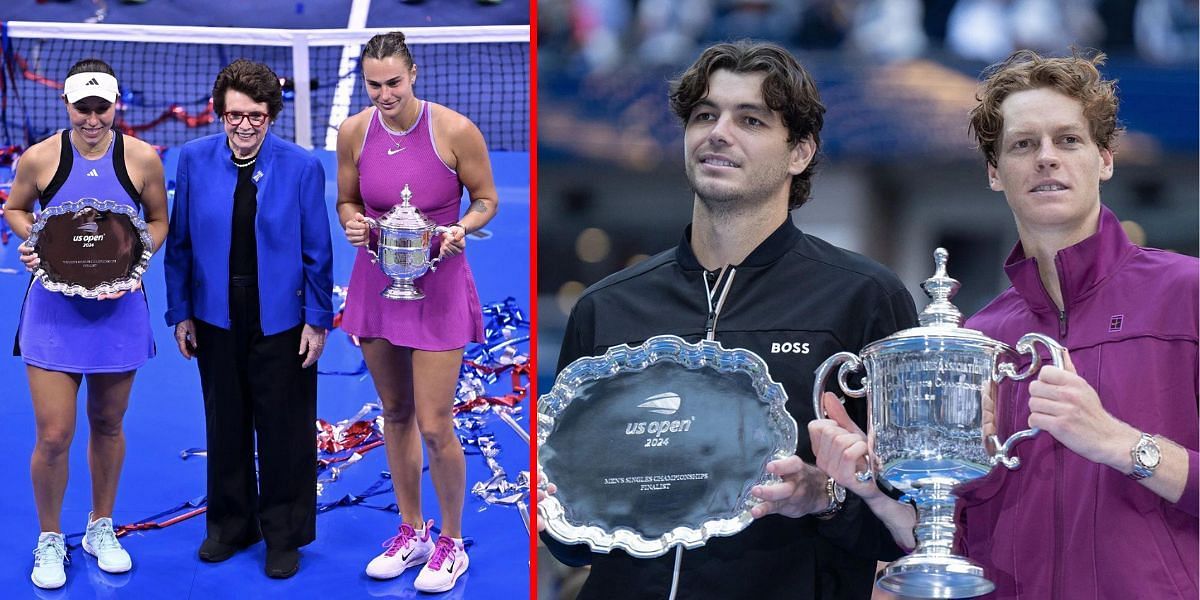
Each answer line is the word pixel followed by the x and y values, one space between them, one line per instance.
pixel 403 134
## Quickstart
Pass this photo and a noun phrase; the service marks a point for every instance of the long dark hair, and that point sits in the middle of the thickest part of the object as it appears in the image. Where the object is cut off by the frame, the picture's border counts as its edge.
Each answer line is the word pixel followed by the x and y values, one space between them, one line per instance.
pixel 384 45
pixel 91 65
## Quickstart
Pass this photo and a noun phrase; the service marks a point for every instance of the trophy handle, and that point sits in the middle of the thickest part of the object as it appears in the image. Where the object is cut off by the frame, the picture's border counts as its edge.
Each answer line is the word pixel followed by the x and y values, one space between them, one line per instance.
pixel 849 362
pixel 438 230
pixel 1025 345
pixel 373 224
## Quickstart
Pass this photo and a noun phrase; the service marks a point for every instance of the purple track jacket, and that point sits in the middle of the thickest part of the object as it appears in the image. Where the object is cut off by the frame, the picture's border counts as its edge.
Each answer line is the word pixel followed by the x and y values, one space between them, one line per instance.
pixel 1061 527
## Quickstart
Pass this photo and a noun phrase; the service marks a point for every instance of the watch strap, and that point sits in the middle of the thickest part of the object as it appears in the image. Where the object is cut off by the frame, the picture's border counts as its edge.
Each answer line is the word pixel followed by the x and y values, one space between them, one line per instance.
pixel 1140 469
pixel 835 506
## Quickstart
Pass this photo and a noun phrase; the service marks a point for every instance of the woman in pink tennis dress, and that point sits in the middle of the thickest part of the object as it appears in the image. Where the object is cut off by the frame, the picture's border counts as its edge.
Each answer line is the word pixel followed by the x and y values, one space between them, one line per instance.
pixel 414 348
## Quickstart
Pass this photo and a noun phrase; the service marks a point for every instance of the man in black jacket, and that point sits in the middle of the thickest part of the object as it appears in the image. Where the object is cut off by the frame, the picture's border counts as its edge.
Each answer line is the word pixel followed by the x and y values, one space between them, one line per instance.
pixel 744 275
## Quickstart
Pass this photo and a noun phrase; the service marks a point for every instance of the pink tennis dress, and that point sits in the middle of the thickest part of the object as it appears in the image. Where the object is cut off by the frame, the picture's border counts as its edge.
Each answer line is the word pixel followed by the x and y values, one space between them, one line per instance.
pixel 449 316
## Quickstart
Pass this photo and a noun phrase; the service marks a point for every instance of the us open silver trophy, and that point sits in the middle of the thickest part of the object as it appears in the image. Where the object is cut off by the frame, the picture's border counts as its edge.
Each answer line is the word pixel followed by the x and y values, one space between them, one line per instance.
pixel 405 236
pixel 926 390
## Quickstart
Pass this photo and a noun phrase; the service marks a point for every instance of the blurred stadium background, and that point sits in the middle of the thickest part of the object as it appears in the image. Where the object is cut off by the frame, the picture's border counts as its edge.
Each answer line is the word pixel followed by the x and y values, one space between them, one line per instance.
pixel 900 174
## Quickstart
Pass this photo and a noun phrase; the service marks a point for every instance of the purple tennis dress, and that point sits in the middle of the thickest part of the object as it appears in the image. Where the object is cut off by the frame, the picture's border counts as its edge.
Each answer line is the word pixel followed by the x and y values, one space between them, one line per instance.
pixel 448 317
pixel 77 335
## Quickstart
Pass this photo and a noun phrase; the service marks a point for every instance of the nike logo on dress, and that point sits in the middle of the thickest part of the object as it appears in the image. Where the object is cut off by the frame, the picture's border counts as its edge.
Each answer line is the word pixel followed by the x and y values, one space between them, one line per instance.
pixel 93 173
pixel 392 151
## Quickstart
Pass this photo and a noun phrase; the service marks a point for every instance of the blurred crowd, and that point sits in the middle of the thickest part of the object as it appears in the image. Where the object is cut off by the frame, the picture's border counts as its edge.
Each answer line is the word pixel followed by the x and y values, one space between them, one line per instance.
pixel 603 35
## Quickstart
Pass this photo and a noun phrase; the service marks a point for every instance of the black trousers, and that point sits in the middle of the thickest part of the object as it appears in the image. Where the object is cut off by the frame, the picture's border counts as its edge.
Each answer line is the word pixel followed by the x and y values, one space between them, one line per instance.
pixel 253 384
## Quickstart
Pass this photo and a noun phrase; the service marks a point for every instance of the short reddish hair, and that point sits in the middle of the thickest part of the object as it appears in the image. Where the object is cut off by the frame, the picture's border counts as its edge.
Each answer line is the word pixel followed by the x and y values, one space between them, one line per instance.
pixel 1075 76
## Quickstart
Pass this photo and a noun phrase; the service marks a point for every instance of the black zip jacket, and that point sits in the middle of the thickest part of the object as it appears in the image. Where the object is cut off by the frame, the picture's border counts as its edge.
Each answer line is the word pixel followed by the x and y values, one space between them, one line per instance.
pixel 794 301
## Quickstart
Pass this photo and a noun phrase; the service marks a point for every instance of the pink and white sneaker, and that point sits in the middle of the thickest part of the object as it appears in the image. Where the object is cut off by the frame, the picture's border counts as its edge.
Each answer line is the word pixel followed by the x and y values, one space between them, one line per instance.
pixel 448 563
pixel 404 550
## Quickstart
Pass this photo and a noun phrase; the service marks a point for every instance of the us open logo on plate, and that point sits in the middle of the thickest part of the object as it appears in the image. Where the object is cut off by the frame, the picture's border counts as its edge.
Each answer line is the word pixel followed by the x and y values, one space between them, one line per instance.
pixel 668 404
pixel 90 229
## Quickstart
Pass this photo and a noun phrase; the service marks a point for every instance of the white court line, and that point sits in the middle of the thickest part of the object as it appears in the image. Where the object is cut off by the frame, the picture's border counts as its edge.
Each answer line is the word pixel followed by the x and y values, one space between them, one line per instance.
pixel 340 108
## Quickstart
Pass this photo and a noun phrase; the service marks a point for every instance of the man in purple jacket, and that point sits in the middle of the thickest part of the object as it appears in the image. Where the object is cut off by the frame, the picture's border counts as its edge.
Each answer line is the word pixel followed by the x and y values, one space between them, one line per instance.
pixel 1105 503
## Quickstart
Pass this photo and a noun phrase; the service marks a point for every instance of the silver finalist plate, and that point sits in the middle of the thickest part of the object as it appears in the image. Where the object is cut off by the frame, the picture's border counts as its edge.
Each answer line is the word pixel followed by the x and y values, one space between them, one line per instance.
pixel 90 247
pixel 658 445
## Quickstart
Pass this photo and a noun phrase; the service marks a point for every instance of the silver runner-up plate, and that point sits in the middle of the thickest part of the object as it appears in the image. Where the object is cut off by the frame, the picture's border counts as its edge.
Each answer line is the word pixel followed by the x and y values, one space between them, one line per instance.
pixel 90 247
pixel 658 445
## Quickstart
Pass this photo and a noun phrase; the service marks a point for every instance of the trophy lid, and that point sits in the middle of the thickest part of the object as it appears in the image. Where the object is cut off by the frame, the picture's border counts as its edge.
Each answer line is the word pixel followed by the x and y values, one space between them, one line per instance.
pixel 941 319
pixel 405 216
pixel 940 288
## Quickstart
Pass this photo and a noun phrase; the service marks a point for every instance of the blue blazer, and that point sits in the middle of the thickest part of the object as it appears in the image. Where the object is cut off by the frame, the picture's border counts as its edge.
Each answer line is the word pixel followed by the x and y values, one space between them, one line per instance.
pixel 295 253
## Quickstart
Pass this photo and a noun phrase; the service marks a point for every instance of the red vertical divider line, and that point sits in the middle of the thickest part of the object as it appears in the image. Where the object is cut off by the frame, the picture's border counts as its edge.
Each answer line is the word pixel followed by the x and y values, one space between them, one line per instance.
pixel 533 297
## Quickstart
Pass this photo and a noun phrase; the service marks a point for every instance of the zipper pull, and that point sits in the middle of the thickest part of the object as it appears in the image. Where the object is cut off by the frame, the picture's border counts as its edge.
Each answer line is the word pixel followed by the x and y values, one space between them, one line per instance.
pixel 1062 324
pixel 710 281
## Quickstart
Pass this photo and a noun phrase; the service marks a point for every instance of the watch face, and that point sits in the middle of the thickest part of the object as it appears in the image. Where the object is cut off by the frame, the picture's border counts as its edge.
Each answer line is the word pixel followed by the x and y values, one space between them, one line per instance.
pixel 1149 455
pixel 839 494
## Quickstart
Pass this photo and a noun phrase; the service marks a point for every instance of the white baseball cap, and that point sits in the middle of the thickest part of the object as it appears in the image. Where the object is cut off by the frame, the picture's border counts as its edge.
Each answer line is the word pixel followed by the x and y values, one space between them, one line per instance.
pixel 81 85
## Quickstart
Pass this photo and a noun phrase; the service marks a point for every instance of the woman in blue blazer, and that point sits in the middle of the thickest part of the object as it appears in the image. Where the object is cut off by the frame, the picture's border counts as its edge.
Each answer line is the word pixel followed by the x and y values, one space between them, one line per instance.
pixel 249 292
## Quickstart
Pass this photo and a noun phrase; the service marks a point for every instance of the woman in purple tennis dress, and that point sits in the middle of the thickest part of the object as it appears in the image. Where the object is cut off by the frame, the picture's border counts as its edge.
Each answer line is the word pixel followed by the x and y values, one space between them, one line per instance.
pixel 66 339
pixel 414 348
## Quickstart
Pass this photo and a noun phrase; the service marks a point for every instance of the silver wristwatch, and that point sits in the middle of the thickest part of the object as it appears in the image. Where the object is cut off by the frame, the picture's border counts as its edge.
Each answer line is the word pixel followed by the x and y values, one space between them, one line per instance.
pixel 1146 456
pixel 837 496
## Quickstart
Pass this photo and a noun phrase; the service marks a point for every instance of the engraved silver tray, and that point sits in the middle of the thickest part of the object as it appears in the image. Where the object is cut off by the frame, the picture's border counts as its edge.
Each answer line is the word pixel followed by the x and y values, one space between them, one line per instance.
pixel 90 247
pixel 658 445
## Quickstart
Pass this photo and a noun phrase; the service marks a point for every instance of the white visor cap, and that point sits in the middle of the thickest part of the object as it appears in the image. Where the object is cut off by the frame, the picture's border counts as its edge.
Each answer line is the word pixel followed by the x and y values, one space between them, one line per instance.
pixel 81 85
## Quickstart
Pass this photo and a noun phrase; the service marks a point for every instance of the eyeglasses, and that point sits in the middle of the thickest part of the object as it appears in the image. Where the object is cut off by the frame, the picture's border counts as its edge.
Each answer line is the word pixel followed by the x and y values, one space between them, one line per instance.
pixel 235 118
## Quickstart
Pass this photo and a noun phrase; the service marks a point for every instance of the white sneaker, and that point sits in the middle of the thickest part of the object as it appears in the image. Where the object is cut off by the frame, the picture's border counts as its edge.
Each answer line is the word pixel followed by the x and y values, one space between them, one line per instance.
pixel 49 558
pixel 404 550
pixel 448 563
pixel 101 541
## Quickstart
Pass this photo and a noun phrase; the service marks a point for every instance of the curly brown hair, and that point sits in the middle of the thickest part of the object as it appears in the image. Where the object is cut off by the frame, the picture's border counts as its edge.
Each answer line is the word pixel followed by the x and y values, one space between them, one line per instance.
pixel 253 79
pixel 1075 76
pixel 788 89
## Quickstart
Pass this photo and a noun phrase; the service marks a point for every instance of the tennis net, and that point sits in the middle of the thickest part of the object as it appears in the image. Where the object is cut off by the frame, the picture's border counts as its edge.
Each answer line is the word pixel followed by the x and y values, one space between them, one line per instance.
pixel 166 75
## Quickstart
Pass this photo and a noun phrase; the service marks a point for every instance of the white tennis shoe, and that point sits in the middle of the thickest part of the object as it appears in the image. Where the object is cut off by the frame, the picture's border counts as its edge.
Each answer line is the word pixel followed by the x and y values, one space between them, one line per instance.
pixel 49 559
pixel 448 563
pixel 403 550
pixel 101 541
